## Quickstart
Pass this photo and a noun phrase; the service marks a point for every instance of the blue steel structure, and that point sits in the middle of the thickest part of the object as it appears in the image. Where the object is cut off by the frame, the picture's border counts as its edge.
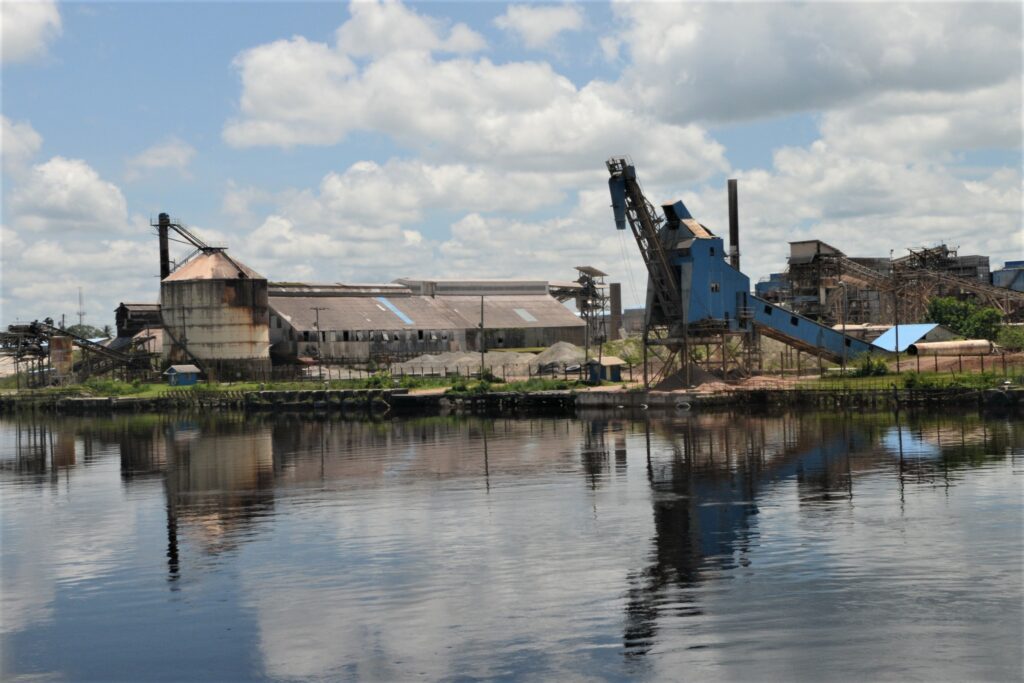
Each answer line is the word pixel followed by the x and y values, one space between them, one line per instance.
pixel 693 293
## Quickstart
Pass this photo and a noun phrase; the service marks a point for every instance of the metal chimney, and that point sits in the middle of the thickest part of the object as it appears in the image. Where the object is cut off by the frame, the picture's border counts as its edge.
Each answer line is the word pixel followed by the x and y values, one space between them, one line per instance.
pixel 163 226
pixel 734 226
pixel 615 315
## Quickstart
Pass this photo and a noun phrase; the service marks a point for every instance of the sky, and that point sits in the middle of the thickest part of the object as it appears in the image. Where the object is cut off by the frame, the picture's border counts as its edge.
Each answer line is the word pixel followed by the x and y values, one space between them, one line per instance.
pixel 364 142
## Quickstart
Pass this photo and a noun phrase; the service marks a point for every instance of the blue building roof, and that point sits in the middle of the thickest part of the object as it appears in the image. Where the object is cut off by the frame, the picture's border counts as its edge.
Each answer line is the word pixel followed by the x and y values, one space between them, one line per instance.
pixel 909 334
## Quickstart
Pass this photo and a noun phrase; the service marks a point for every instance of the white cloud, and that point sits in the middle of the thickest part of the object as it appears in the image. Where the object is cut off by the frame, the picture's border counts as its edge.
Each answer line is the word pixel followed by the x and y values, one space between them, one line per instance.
pixel 66 196
pixel 538 25
pixel 378 28
pixel 64 220
pixel 725 61
pixel 19 142
pixel 172 154
pixel 934 125
pixel 26 28
pixel 521 116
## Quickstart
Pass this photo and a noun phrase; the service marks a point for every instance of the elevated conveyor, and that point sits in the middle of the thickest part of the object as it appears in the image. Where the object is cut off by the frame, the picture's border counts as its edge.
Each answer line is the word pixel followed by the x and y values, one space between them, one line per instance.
pixel 805 334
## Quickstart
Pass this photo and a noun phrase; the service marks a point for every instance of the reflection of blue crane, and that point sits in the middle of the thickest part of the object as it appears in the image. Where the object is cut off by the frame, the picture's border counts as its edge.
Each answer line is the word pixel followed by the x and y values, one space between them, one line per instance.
pixel 693 291
pixel 703 515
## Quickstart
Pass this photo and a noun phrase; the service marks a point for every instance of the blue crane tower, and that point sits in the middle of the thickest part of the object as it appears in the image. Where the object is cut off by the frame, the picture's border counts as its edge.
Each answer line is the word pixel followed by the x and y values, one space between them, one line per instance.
pixel 694 295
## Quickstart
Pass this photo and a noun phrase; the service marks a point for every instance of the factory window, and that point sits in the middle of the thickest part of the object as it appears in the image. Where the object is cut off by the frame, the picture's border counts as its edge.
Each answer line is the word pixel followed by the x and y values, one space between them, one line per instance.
pixel 793 320
pixel 715 287
pixel 767 309
pixel 323 336
pixel 305 336
pixel 433 336
pixel 848 342
pixel 419 333
pixel 384 336
pixel 712 251
pixel 344 336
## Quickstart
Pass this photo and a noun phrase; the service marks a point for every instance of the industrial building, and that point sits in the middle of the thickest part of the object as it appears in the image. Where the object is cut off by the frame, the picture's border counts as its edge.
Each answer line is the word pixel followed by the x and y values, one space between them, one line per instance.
pixel 410 317
pixel 227 319
pixel 1010 276
pixel 825 284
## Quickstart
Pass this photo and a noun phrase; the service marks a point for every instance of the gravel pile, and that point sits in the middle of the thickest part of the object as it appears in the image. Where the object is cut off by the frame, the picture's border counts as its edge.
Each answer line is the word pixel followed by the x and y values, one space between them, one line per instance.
pixel 562 353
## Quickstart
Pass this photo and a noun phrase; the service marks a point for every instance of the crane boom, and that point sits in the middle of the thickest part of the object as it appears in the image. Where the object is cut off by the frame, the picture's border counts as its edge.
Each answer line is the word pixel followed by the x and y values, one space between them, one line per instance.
pixel 631 206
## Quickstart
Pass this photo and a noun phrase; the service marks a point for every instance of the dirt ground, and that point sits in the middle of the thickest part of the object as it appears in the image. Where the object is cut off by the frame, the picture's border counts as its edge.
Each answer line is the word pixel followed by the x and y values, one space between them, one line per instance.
pixel 992 363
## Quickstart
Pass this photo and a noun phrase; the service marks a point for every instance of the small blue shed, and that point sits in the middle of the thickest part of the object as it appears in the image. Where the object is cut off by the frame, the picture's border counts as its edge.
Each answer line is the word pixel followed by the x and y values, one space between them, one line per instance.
pixel 182 375
pixel 609 368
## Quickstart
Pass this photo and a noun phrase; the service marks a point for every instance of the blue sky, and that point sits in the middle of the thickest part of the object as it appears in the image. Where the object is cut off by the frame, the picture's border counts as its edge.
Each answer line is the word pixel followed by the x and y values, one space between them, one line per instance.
pixel 330 142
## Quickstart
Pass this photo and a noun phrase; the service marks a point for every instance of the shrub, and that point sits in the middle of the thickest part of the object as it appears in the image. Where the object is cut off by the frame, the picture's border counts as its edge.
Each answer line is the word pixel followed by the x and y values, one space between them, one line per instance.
pixel 1011 338
pixel 869 366
pixel 109 387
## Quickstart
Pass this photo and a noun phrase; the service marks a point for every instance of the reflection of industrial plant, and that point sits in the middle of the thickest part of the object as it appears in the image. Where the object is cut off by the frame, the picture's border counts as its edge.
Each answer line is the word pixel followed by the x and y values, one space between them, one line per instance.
pixel 221 475
pixel 706 475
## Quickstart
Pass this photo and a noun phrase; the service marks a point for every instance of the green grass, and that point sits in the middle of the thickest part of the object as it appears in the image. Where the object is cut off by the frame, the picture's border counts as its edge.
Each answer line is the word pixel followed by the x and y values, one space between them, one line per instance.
pixel 916 380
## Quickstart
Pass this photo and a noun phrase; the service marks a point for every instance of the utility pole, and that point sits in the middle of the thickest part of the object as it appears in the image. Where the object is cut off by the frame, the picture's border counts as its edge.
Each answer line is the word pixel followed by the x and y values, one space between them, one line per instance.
pixel 846 303
pixel 895 312
pixel 482 345
pixel 319 351
pixel 81 308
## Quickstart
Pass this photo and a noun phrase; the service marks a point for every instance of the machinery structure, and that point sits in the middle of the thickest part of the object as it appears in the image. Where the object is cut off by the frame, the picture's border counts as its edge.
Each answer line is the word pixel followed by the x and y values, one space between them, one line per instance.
pixel 699 306
pixel 46 351
pixel 826 285
pixel 592 303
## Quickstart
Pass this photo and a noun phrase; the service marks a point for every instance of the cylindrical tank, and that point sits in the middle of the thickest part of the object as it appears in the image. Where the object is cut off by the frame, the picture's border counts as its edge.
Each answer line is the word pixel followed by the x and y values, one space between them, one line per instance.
pixel 964 347
pixel 215 311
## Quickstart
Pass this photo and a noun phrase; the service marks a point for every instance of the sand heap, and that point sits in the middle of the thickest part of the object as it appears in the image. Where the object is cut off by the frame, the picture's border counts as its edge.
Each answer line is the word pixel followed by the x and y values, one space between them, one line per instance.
pixel 562 353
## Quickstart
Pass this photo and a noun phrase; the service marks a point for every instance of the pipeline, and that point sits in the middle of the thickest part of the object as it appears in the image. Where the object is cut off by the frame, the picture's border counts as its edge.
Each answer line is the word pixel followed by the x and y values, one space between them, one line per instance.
pixel 963 347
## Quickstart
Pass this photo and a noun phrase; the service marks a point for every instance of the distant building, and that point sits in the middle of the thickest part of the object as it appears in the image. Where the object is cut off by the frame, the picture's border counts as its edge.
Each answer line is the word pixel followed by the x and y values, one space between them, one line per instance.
pixel 1010 276
pixel 774 288
pixel 132 318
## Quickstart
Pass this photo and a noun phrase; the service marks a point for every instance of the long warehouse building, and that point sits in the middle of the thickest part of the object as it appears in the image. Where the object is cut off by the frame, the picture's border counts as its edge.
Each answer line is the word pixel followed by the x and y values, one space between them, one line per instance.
pixel 409 317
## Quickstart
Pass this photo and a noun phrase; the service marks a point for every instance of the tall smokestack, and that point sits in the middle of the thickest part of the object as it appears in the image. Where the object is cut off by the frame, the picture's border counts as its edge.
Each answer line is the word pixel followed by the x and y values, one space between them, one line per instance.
pixel 734 226
pixel 615 315
pixel 163 226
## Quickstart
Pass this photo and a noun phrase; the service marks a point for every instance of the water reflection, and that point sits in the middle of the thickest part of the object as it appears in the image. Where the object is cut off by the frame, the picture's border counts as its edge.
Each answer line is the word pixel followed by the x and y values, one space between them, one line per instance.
pixel 707 473
pixel 445 546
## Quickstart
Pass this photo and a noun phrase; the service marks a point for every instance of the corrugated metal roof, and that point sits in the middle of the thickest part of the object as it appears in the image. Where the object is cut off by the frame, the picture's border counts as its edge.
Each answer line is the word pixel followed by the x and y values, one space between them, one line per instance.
pixel 500 311
pixel 698 230
pixel 213 265
pixel 423 312
pixel 364 313
pixel 180 369
pixel 909 334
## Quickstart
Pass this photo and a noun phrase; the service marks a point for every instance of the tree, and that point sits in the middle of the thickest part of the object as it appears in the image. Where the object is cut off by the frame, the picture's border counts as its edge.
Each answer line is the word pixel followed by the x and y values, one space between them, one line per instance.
pixel 87 331
pixel 965 318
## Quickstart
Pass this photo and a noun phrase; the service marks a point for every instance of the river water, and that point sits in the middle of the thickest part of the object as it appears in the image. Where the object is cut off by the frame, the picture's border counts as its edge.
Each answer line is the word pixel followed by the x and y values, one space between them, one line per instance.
pixel 708 547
